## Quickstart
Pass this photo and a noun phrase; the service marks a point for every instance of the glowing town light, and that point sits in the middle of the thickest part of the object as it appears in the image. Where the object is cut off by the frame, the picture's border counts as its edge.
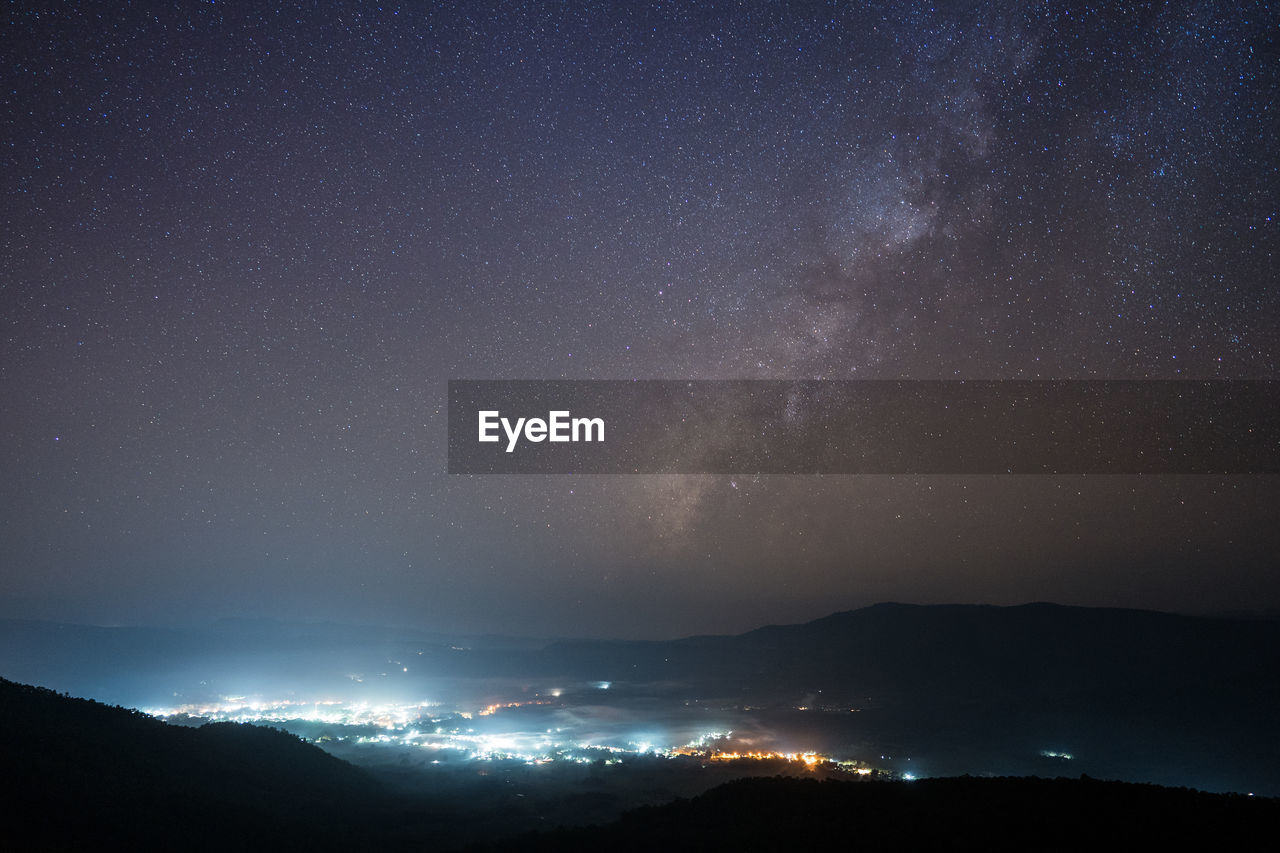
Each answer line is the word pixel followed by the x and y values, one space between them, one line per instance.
pixel 411 726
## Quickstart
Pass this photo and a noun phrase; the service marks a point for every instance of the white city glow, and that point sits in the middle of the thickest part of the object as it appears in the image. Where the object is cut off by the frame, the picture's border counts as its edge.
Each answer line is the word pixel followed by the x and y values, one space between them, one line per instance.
pixel 451 733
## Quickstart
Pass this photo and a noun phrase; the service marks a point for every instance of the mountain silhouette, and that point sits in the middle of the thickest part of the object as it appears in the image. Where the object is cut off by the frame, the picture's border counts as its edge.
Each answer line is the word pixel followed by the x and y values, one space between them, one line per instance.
pixel 960 814
pixel 82 775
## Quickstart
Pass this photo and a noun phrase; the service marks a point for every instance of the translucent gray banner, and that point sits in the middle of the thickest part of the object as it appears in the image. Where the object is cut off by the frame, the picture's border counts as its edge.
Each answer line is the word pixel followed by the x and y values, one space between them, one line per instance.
pixel 863 427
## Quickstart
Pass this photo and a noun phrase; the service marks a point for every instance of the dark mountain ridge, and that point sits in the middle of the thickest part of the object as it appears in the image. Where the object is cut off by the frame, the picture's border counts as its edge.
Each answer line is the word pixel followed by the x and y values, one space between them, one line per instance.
pixel 81 774
pixel 1131 694
pixel 964 651
pixel 934 814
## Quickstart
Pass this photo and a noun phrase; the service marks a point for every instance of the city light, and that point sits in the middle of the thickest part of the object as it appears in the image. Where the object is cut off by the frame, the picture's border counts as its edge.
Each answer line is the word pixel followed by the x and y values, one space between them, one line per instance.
pixel 449 733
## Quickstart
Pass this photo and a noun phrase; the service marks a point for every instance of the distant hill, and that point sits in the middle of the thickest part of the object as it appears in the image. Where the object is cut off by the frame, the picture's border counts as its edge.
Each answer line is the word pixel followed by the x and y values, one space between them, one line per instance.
pixel 960 651
pixel 1132 694
pixel 959 814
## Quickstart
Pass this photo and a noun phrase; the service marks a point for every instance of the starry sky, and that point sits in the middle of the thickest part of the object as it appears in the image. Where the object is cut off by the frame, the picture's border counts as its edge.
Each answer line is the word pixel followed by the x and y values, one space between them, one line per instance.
pixel 244 248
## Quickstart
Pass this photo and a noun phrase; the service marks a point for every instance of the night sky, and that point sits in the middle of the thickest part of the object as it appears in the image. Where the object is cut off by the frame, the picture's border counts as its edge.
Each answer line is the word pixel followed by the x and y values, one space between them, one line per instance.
pixel 244 249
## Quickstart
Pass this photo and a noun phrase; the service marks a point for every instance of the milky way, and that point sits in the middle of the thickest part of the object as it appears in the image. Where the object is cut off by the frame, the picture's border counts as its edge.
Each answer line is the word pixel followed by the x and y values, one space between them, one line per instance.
pixel 244 250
